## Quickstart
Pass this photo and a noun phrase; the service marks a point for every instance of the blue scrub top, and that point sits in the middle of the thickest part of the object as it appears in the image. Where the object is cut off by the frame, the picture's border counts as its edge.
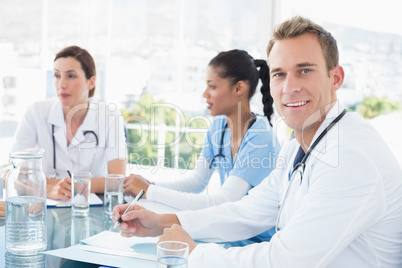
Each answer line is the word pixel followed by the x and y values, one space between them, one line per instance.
pixel 256 157
pixel 254 161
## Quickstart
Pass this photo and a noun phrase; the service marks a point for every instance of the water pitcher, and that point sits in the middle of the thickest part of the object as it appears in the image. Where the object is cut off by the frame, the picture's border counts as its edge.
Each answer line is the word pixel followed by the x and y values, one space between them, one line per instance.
pixel 25 203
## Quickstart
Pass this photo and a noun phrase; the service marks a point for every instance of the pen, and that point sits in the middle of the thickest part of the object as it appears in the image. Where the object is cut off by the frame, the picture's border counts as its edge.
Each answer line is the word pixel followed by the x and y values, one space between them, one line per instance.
pixel 69 173
pixel 129 207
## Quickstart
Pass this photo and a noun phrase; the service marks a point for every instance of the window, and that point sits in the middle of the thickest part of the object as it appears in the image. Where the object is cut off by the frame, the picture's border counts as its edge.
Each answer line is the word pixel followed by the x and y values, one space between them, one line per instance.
pixel 162 47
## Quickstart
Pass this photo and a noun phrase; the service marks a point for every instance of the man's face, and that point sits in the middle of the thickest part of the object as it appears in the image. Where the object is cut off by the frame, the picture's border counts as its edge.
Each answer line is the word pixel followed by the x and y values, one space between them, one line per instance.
pixel 300 84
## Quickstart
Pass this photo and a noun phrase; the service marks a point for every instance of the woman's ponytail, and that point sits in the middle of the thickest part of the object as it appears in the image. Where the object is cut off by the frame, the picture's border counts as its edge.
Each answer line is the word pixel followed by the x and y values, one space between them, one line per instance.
pixel 267 99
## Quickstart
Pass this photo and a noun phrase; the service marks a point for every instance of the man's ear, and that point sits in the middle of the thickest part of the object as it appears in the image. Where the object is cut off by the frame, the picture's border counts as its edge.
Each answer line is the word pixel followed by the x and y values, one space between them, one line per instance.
pixel 338 77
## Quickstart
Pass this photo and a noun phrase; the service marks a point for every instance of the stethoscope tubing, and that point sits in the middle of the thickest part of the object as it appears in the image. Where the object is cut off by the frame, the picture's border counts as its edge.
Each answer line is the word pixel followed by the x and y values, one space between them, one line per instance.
pixel 220 154
pixel 311 148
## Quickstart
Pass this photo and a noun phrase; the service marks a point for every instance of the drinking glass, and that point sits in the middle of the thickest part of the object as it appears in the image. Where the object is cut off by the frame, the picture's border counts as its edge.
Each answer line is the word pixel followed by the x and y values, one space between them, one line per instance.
pixel 172 254
pixel 80 191
pixel 113 192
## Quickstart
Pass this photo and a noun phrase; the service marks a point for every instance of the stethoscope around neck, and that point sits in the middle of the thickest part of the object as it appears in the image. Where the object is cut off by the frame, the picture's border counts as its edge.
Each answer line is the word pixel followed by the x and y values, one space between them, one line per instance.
pixel 220 153
pixel 55 175
pixel 299 167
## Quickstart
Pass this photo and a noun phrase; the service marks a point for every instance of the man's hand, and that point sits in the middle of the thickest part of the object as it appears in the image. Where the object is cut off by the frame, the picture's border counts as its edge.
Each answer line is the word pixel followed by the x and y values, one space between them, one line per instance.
pixel 58 189
pixel 177 233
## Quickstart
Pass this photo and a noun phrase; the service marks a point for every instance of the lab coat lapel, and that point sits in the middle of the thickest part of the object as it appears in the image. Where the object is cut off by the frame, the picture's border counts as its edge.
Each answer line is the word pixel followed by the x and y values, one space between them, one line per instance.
pixel 319 151
pixel 56 118
pixel 290 189
pixel 297 189
pixel 63 161
pixel 91 118
pixel 89 124
pixel 87 141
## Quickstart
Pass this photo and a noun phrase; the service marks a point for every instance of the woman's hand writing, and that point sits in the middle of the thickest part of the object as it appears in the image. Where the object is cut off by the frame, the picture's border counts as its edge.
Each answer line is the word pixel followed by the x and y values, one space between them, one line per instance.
pixel 137 222
pixel 58 189
pixel 134 183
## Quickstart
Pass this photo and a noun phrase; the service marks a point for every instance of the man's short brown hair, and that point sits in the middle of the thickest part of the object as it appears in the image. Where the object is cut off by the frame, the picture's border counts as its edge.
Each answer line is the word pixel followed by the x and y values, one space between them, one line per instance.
pixel 298 26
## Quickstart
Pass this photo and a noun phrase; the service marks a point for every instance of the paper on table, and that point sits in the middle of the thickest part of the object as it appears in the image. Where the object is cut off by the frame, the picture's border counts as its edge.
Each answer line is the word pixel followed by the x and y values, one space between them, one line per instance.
pixel 78 254
pixel 94 200
pixel 114 252
pixel 113 240
pixel 112 243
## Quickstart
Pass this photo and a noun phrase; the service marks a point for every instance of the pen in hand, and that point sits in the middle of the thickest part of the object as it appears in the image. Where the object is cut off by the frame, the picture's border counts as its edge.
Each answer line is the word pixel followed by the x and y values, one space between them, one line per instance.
pixel 129 208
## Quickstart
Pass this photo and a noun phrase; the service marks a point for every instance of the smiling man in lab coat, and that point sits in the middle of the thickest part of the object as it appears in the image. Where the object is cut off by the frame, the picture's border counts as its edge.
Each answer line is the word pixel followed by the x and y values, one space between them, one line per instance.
pixel 341 207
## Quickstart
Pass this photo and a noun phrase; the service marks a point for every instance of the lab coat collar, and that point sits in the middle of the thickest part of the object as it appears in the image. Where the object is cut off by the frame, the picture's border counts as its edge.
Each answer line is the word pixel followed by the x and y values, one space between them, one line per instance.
pixel 319 152
pixel 89 124
pixel 91 117
pixel 332 114
pixel 56 116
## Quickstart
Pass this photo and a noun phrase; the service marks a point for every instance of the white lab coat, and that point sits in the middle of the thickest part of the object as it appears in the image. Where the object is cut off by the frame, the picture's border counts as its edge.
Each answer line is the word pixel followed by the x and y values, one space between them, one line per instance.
pixel 82 154
pixel 347 212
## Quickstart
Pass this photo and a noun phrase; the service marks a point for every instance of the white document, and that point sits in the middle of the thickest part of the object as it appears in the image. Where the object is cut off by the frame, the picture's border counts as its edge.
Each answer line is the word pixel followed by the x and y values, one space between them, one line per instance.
pixel 113 240
pixel 94 200
pixel 110 248
pixel 108 245
pixel 77 253
pixel 113 243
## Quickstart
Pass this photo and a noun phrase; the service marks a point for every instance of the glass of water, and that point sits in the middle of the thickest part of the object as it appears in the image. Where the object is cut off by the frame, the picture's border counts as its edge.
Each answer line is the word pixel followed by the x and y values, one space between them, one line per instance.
pixel 80 191
pixel 113 192
pixel 172 254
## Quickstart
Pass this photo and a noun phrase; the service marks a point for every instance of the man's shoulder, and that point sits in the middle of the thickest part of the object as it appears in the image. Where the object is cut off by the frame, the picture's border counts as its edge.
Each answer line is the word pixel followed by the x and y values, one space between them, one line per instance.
pixel 357 140
pixel 357 129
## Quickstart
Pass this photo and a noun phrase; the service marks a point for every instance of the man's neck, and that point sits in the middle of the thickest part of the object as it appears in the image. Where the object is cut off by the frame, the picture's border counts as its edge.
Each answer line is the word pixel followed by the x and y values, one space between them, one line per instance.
pixel 306 135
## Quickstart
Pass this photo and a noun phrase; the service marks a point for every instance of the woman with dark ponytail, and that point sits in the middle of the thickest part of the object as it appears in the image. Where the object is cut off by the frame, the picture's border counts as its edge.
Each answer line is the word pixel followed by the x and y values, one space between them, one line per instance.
pixel 240 144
